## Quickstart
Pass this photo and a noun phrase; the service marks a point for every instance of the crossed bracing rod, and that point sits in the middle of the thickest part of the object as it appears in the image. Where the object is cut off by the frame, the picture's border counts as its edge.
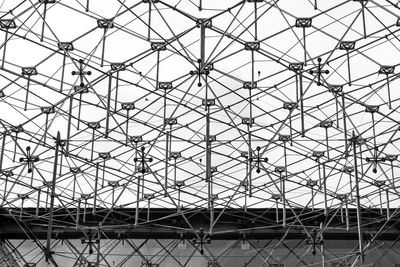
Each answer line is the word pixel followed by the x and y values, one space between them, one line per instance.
pixel 318 72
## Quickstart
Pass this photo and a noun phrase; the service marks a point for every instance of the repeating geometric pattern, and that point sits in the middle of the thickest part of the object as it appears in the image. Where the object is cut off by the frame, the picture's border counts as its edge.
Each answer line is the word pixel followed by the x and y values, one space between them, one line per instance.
pixel 200 105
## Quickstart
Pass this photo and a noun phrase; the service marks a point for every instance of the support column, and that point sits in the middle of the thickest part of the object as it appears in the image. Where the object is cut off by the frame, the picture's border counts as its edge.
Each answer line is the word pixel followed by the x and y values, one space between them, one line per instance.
pixel 208 158
pixel 53 188
pixel 359 226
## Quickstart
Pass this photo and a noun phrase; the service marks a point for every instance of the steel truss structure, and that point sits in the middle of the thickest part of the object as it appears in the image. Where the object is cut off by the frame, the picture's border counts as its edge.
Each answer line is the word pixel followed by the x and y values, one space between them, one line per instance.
pixel 273 124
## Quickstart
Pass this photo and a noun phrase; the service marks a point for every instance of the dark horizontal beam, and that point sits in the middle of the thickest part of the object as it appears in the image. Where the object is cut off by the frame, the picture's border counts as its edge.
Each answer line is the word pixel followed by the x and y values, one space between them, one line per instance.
pixel 167 223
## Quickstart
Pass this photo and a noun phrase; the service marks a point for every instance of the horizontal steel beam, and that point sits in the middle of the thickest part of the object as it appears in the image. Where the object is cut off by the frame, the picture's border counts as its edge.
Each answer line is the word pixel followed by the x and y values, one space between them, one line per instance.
pixel 167 223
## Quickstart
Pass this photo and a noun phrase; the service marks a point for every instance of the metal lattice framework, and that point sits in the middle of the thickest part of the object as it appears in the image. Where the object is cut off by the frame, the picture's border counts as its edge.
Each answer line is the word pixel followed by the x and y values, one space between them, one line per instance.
pixel 119 110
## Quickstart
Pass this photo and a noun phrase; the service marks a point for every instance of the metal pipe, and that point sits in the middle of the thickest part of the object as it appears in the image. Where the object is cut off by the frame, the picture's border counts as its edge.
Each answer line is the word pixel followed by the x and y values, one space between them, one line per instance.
pixel 149 22
pixel 304 46
pixel 108 105
pixel 98 249
pixel 73 187
pixel 208 161
pixel 327 143
pixel 202 44
pixel 137 200
pixel 79 111
pixel 62 72
pixel 3 144
pixel 27 93
pixel 250 88
pixel 322 244
pixel 283 187
pixel 388 88
pixel 78 212
pixel 104 47
pixel 380 201
pixel 15 145
pixel 344 126
pixel 148 209
pixel 359 226
pixel 166 165
pixel 255 21
pixel 84 210
pixel 325 195
pixel 250 162
pixel 116 93
pixel 341 212
pixel 158 70
pixel 44 21
pixel 312 198
pixel 211 216
pixel 4 50
pixel 301 105
pixel 387 205
pixel 245 198
pixel 363 17
pixel 337 111
pixel 348 67
pixel 53 188
pixel 91 151
pixel 69 125
pixel 127 127
pixel 104 173
pixel 47 194
pixel 347 217
pixel 38 203
pixel 96 182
